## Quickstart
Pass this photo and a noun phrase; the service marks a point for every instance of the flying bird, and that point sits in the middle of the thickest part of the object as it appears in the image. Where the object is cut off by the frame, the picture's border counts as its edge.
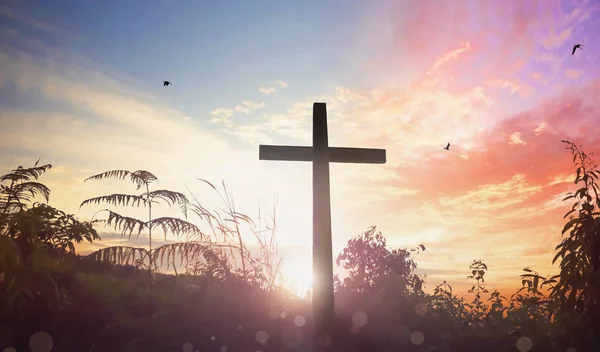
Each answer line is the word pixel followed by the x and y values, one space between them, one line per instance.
pixel 447 147
pixel 575 47
pixel 166 83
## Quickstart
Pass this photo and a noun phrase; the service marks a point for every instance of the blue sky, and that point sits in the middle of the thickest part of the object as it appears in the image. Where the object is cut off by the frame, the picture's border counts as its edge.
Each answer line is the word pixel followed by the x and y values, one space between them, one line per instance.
pixel 216 51
pixel 81 87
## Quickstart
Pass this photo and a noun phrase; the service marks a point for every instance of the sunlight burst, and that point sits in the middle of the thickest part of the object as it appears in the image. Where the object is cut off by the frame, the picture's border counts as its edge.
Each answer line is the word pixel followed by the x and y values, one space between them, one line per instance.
pixel 298 279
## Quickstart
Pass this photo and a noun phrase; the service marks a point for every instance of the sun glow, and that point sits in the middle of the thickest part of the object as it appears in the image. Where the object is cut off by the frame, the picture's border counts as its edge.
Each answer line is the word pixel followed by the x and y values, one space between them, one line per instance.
pixel 298 279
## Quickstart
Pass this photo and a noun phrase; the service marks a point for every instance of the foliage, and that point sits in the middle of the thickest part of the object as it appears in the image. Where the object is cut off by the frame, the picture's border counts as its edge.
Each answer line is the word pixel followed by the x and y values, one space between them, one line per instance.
pixel 49 227
pixel 18 188
pixel 576 288
pixel 128 225
pixel 372 266
pixel 32 240
pixel 88 303
pixel 226 224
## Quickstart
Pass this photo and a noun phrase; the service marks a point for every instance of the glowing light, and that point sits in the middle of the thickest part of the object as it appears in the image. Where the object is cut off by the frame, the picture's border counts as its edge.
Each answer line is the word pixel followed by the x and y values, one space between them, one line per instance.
pixel 421 309
pixel 187 347
pixel 41 342
pixel 261 337
pixel 299 321
pixel 360 319
pixel 524 344
pixel 298 279
pixel 417 338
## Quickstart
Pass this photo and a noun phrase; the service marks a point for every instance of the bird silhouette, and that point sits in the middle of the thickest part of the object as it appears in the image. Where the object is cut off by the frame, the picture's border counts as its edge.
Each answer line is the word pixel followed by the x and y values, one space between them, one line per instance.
pixel 166 83
pixel 447 147
pixel 575 47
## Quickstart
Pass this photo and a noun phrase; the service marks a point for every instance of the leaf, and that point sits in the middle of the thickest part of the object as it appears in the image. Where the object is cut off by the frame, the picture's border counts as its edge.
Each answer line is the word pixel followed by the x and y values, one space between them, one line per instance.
pixel 177 227
pixel 118 174
pixel 124 223
pixel 33 188
pixel 570 224
pixel 139 178
pixel 20 174
pixel 116 200
pixel 119 255
pixel 142 178
pixel 210 184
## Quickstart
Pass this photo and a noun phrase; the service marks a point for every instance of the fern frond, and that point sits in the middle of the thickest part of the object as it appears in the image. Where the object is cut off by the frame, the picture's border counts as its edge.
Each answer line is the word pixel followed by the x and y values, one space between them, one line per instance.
pixel 178 227
pixel 142 178
pixel 116 199
pixel 33 188
pixel 171 198
pixel 186 251
pixel 118 174
pixel 21 174
pixel 124 223
pixel 119 255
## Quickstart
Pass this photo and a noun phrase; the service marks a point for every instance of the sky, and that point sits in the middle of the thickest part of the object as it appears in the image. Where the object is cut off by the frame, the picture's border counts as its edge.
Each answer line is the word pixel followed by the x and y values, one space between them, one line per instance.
pixel 81 88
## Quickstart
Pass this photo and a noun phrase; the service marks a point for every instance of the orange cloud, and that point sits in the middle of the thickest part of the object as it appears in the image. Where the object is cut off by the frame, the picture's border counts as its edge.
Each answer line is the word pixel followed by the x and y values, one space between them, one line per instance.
pixel 573 73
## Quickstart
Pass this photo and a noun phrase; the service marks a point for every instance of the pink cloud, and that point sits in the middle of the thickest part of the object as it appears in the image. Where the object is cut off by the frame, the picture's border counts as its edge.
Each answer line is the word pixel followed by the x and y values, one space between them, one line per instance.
pixel 534 149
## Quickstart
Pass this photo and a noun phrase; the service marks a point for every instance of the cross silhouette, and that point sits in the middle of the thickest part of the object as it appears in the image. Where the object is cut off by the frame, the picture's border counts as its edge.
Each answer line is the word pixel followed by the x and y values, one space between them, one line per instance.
pixel 320 154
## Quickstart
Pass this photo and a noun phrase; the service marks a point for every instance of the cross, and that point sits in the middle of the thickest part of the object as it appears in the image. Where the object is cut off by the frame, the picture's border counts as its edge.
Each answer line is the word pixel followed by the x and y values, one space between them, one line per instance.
pixel 321 155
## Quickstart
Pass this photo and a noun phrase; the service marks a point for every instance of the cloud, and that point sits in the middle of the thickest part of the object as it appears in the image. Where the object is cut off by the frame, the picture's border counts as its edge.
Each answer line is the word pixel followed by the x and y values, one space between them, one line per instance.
pixel 224 114
pixel 540 78
pixel 573 73
pixel 452 54
pixel 515 138
pixel 36 23
pixel 89 121
pixel 555 41
pixel 271 87
pixel 540 129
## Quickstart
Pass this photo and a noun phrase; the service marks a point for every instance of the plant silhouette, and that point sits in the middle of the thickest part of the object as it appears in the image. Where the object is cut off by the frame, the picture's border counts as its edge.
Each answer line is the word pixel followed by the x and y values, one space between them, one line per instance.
pixel 128 225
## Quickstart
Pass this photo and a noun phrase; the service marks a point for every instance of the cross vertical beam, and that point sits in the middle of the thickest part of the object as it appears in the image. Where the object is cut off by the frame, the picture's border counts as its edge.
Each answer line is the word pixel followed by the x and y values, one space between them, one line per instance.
pixel 322 293
pixel 321 154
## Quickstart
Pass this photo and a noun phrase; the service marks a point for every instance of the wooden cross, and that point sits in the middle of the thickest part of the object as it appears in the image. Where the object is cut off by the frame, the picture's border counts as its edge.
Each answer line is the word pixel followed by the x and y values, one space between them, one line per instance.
pixel 321 155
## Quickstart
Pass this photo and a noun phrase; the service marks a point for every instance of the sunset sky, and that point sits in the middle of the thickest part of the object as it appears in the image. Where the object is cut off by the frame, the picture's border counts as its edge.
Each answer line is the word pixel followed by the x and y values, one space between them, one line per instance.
pixel 81 88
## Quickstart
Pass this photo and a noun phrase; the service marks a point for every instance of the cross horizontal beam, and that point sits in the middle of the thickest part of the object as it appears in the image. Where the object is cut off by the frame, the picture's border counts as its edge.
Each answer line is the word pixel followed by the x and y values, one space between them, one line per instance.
pixel 336 155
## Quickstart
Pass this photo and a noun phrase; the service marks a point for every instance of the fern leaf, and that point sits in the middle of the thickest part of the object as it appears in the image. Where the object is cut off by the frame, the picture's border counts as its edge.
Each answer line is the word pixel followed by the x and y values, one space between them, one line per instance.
pixel 33 188
pixel 116 199
pixel 171 198
pixel 123 223
pixel 186 251
pixel 119 255
pixel 118 174
pixel 21 174
pixel 142 178
pixel 178 227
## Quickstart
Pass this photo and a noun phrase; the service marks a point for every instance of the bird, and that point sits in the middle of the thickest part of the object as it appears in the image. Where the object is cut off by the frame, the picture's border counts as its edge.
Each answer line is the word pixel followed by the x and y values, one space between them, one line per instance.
pixel 447 147
pixel 166 83
pixel 575 47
